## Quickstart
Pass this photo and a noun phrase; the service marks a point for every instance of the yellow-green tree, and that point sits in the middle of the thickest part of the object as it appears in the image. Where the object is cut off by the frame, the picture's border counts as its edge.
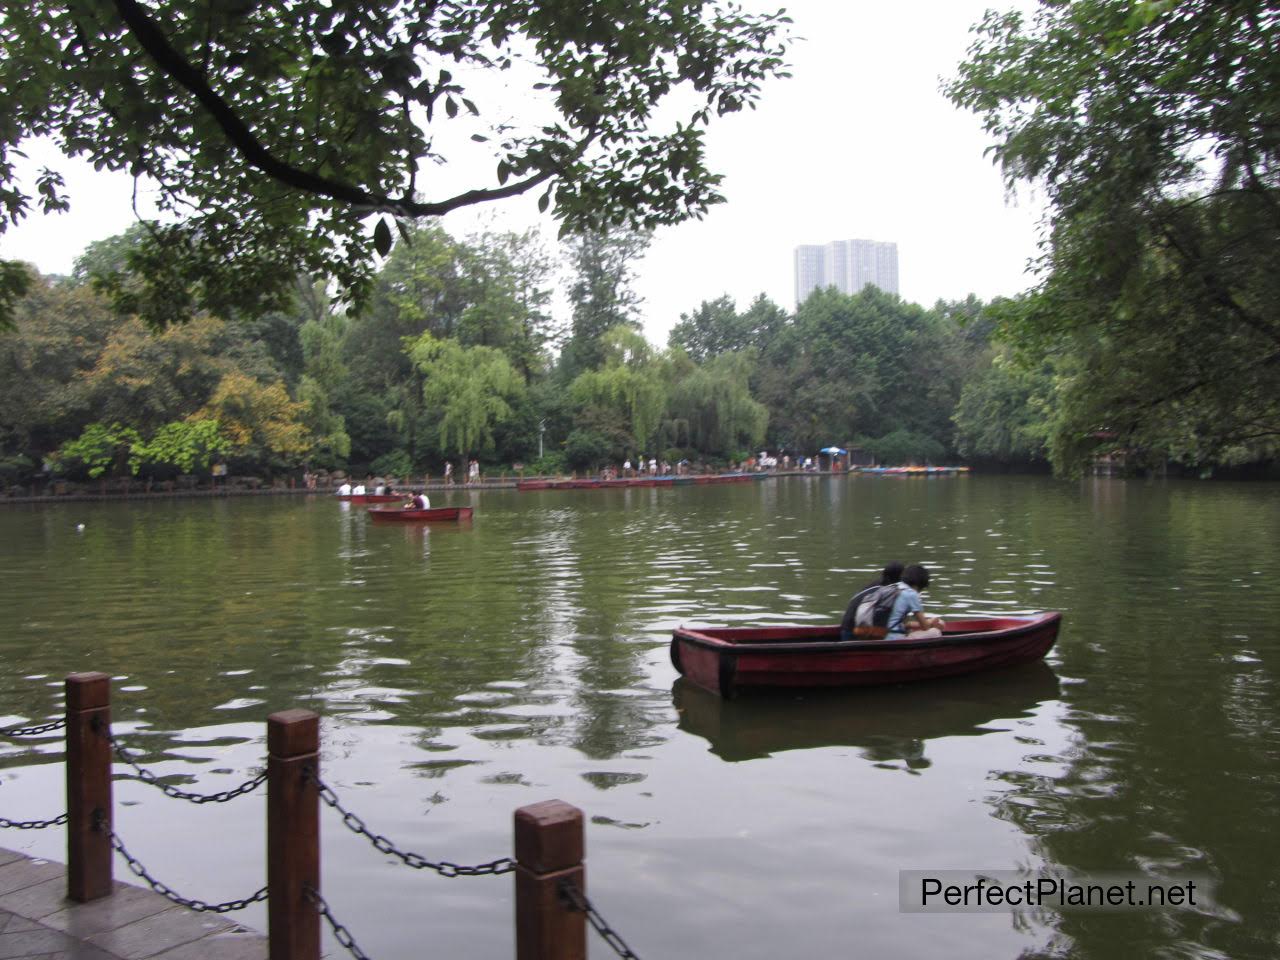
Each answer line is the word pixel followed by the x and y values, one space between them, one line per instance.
pixel 468 391
pixel 260 420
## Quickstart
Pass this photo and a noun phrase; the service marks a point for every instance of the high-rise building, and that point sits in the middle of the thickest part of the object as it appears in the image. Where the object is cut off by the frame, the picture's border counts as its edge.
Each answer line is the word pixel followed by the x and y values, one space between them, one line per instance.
pixel 847 265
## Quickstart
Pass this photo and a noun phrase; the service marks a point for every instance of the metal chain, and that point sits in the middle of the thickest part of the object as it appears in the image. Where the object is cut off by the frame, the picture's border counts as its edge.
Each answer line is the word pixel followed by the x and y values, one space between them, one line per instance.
pixel 34 731
pixel 32 824
pixel 147 777
pixel 340 933
pixel 199 906
pixel 415 860
pixel 577 900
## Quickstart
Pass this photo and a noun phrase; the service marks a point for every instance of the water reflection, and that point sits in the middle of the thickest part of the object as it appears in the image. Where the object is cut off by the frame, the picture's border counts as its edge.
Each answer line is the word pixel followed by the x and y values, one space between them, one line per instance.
pixel 888 725
pixel 462 672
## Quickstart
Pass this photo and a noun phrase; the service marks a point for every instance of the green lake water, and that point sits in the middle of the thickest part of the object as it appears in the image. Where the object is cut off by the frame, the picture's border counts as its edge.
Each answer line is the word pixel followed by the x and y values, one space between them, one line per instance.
pixel 464 671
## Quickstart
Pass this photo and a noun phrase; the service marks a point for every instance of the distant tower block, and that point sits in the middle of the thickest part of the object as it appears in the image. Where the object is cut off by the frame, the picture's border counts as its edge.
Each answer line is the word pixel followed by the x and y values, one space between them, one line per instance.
pixel 847 265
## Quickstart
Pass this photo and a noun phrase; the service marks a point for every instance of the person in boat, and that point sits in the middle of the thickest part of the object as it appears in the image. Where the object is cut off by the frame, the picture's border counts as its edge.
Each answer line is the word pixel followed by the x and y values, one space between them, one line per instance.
pixel 344 490
pixel 891 573
pixel 421 501
pixel 908 620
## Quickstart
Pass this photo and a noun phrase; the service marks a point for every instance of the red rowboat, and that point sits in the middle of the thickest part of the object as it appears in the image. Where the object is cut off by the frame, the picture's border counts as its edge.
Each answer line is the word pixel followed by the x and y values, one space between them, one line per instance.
pixel 385 515
pixel 372 497
pixel 728 660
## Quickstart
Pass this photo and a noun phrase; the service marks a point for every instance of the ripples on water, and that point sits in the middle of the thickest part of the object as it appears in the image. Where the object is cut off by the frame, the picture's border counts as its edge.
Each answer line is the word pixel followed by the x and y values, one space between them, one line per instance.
pixel 464 671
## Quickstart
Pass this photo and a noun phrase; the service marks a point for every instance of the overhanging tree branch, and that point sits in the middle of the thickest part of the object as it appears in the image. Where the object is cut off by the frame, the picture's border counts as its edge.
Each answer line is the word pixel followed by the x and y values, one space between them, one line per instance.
pixel 178 68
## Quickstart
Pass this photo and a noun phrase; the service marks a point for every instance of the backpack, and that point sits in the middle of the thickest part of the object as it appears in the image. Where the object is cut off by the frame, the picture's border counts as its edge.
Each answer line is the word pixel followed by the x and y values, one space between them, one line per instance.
pixel 872 619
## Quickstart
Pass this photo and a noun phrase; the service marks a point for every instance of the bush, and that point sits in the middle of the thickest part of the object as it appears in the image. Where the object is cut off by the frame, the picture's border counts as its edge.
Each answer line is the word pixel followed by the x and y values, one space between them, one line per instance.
pixel 550 465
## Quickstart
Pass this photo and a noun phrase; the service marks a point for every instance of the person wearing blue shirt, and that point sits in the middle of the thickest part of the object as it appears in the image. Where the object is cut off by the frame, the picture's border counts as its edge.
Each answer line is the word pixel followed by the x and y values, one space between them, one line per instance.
pixel 908 621
pixel 892 573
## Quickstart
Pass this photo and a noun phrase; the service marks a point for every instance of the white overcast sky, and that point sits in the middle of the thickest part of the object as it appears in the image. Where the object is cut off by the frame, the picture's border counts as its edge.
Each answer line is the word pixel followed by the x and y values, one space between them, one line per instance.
pixel 857 143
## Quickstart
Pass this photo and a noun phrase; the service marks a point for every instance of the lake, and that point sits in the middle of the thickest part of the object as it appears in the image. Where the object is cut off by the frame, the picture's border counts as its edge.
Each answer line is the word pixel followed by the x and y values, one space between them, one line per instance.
pixel 464 671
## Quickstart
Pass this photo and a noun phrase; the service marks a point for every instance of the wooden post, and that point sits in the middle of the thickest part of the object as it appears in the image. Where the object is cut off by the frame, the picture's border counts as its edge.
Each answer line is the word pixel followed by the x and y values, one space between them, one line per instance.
pixel 549 848
pixel 89 850
pixel 293 834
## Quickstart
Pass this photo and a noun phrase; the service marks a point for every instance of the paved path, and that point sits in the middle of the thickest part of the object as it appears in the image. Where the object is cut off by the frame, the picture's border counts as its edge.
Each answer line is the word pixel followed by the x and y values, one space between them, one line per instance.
pixel 37 922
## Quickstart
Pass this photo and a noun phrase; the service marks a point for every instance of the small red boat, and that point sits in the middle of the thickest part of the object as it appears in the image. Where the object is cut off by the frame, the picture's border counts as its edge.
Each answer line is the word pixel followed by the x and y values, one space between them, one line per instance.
pixel 406 515
pixel 728 660
pixel 372 497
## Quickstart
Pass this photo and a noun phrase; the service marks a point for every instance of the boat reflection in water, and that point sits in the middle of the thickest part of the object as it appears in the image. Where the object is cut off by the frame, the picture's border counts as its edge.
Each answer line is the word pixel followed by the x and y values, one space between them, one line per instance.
pixel 886 723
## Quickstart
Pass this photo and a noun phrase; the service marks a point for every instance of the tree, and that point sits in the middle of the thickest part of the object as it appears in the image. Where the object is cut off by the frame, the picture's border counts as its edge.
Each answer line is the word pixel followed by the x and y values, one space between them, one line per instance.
pixel 716 403
pixel 45 362
pixel 102 448
pixel 600 294
pixel 1150 126
pixel 1006 412
pixel 716 327
pixel 276 127
pixel 470 389
pixel 259 421
pixel 186 445
pixel 709 331
pixel 630 384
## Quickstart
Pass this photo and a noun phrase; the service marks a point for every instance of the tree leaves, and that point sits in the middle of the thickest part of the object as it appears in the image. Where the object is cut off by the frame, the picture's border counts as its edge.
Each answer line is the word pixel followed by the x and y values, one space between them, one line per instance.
pixel 276 134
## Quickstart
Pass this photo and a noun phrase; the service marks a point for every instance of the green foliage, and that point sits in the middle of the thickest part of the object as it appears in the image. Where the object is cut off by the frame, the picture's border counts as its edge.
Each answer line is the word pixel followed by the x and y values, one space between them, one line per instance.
pixel 15 281
pixel 857 365
pixel 716 327
pixel 260 422
pixel 600 294
pixel 1151 129
pixel 187 445
pixel 1006 412
pixel 551 464
pixel 277 127
pixel 15 468
pixel 902 447
pixel 331 444
pixel 469 390
pixel 715 403
pixel 631 384
pixel 587 449
pixel 102 448
pixel 396 463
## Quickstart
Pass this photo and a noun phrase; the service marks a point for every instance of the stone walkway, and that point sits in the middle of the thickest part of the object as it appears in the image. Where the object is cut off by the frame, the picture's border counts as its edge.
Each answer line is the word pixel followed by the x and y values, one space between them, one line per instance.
pixel 37 922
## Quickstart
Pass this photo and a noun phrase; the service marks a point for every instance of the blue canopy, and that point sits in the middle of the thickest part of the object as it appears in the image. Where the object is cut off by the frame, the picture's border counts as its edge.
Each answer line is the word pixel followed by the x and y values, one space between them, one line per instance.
pixel 833 451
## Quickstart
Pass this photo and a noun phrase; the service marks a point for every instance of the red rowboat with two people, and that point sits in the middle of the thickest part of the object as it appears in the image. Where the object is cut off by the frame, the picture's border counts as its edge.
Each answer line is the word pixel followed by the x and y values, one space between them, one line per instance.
pixel 729 660
pixel 409 515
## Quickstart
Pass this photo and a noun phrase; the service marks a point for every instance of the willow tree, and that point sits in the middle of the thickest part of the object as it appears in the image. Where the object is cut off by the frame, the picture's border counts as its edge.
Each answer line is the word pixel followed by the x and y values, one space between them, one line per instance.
pixel 632 383
pixel 470 391
pixel 715 400
pixel 275 128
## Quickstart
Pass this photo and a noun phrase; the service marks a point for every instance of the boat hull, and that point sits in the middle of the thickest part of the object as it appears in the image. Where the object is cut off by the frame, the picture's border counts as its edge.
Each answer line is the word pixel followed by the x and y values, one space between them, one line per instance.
pixel 437 514
pixel 730 660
